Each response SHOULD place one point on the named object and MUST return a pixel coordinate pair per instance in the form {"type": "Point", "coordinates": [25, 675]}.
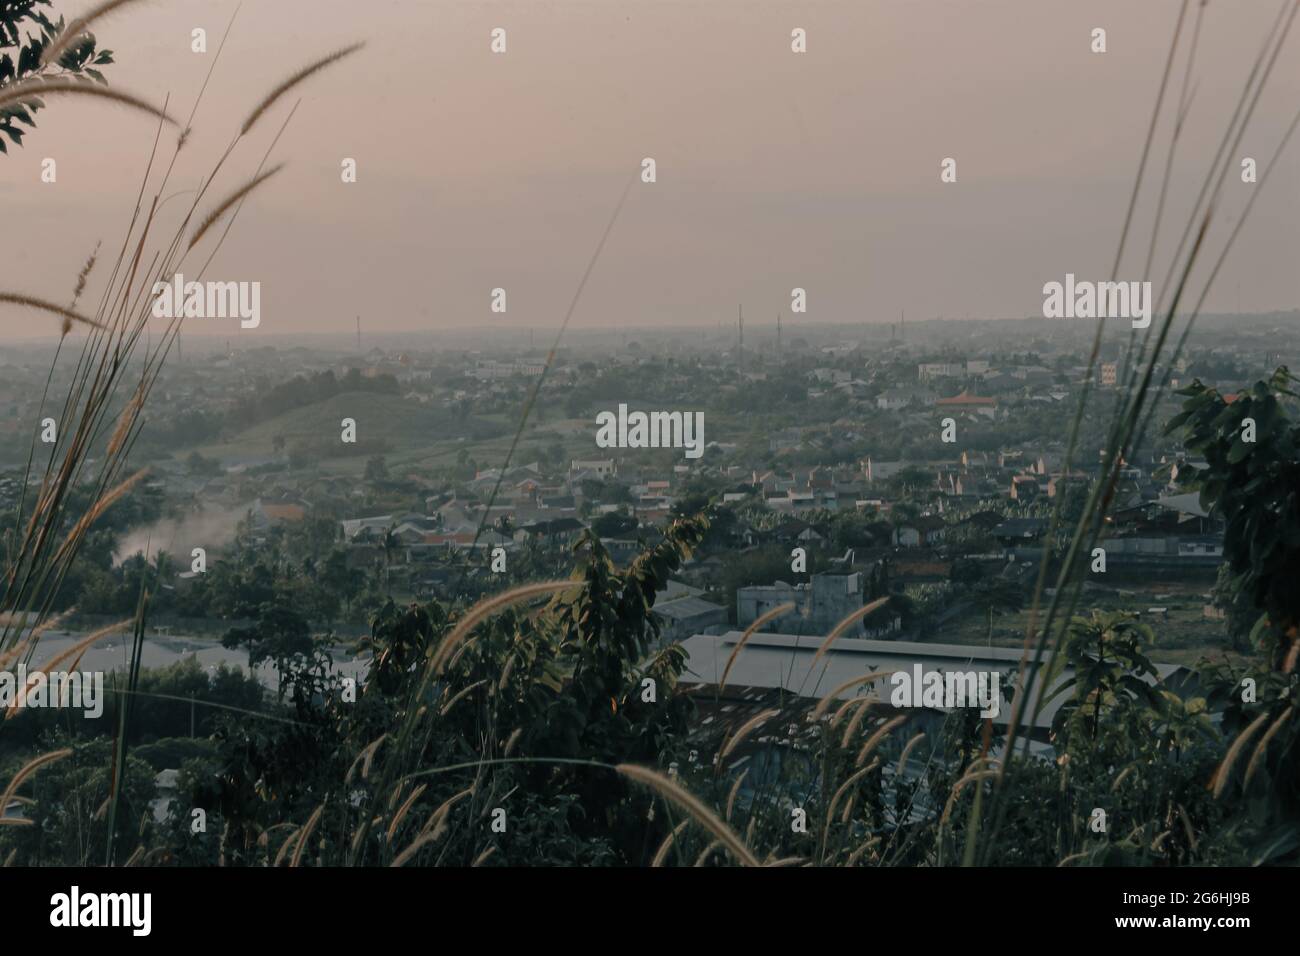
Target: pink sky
{"type": "Point", "coordinates": [775, 169]}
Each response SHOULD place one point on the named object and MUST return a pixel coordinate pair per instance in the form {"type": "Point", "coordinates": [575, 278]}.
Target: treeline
{"type": "Point", "coordinates": [304, 390]}
{"type": "Point", "coordinates": [169, 702]}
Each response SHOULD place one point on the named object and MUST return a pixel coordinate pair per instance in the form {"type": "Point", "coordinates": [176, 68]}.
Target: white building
{"type": "Point", "coordinates": [601, 467]}
{"type": "Point", "coordinates": [929, 370]}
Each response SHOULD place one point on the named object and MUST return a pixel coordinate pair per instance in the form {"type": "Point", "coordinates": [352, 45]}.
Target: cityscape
{"type": "Point", "coordinates": [888, 476]}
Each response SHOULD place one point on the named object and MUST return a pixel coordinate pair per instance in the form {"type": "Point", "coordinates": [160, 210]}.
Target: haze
{"type": "Point", "coordinates": [775, 170]}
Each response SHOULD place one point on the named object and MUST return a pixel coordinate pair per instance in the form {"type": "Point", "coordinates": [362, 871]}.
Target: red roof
{"type": "Point", "coordinates": [284, 512]}
{"type": "Point", "coordinates": [966, 398]}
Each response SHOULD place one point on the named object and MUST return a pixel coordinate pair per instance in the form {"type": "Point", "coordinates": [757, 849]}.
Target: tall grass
{"type": "Point", "coordinates": [391, 767]}
{"type": "Point", "coordinates": [117, 355]}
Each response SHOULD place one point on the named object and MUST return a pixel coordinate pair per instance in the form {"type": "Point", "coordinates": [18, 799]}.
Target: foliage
{"type": "Point", "coordinates": [1252, 484]}
{"type": "Point", "coordinates": [25, 32]}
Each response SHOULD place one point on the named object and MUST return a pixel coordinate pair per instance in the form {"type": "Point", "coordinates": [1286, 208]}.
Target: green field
{"type": "Point", "coordinates": [412, 433]}
{"type": "Point", "coordinates": [417, 435]}
{"type": "Point", "coordinates": [1183, 634]}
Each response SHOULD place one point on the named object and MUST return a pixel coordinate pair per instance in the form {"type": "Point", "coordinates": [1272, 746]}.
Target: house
{"type": "Point", "coordinates": [1014, 531]}
{"type": "Point", "coordinates": [830, 376]}
{"type": "Point", "coordinates": [966, 402]}
{"type": "Point", "coordinates": [1025, 487]}
{"type": "Point", "coordinates": [925, 530]}
{"type": "Point", "coordinates": [893, 399]}
{"type": "Point", "coordinates": [680, 618]}
{"type": "Point", "coordinates": [920, 570]}
{"type": "Point", "coordinates": [983, 520]}
{"type": "Point", "coordinates": [792, 531]}
{"type": "Point", "coordinates": [1182, 470]}
{"type": "Point", "coordinates": [820, 604]}
{"type": "Point", "coordinates": [601, 468]}
{"type": "Point", "coordinates": [553, 530]}
{"type": "Point", "coordinates": [273, 511]}
{"type": "Point", "coordinates": [882, 470]}
{"type": "Point", "coordinates": [357, 530]}
{"type": "Point", "coordinates": [1059, 484]}
{"type": "Point", "coordinates": [929, 370]}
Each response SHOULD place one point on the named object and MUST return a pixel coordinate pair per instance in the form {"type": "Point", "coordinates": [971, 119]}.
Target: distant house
{"type": "Point", "coordinates": [822, 603]}
{"type": "Point", "coordinates": [1183, 469]}
{"type": "Point", "coordinates": [1058, 484]}
{"type": "Point", "coordinates": [1025, 487]}
{"type": "Point", "coordinates": [881, 470]}
{"type": "Point", "coordinates": [929, 370]}
{"type": "Point", "coordinates": [919, 571]}
{"type": "Point", "coordinates": [551, 530]}
{"type": "Point", "coordinates": [966, 402]}
{"type": "Point", "coordinates": [794, 531]}
{"type": "Point", "coordinates": [801, 500]}
{"type": "Point", "coordinates": [984, 520]}
{"type": "Point", "coordinates": [685, 616]}
{"type": "Point", "coordinates": [790, 438]}
{"type": "Point", "coordinates": [361, 529]}
{"type": "Point", "coordinates": [1186, 506]}
{"type": "Point", "coordinates": [926, 530]}
{"type": "Point", "coordinates": [1020, 530]}
{"type": "Point", "coordinates": [603, 468]}
{"type": "Point", "coordinates": [830, 376]}
{"type": "Point", "coordinates": [892, 399]}
{"type": "Point", "coordinates": [412, 529]}
{"type": "Point", "coordinates": [271, 511]}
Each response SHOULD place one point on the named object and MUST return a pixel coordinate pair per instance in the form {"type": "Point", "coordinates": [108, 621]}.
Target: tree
{"type": "Point", "coordinates": [19, 19]}
{"type": "Point", "coordinates": [1105, 652]}
{"type": "Point", "coordinates": [1252, 451]}
{"type": "Point", "coordinates": [1251, 446]}
{"type": "Point", "coordinates": [281, 636]}
{"type": "Point", "coordinates": [614, 524]}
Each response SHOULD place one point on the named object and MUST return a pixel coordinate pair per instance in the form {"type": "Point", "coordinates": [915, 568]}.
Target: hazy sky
{"type": "Point", "coordinates": [775, 169]}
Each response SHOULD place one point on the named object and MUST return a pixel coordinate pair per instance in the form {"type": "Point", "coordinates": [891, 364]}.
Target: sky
{"type": "Point", "coordinates": [775, 170]}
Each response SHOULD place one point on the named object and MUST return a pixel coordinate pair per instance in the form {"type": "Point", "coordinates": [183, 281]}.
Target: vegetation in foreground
{"type": "Point", "coordinates": [508, 733]}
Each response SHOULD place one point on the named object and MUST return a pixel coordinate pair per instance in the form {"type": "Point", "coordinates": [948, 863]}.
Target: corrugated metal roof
{"type": "Point", "coordinates": [785, 661]}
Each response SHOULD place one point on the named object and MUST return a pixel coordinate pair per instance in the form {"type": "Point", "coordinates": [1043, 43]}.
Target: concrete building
{"type": "Point", "coordinates": [685, 616]}
{"type": "Point", "coordinates": [820, 604]}
{"type": "Point", "coordinates": [929, 370]}
{"type": "Point", "coordinates": [600, 467]}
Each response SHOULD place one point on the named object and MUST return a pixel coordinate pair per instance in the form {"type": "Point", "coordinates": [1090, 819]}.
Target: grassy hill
{"type": "Point", "coordinates": [411, 433]}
